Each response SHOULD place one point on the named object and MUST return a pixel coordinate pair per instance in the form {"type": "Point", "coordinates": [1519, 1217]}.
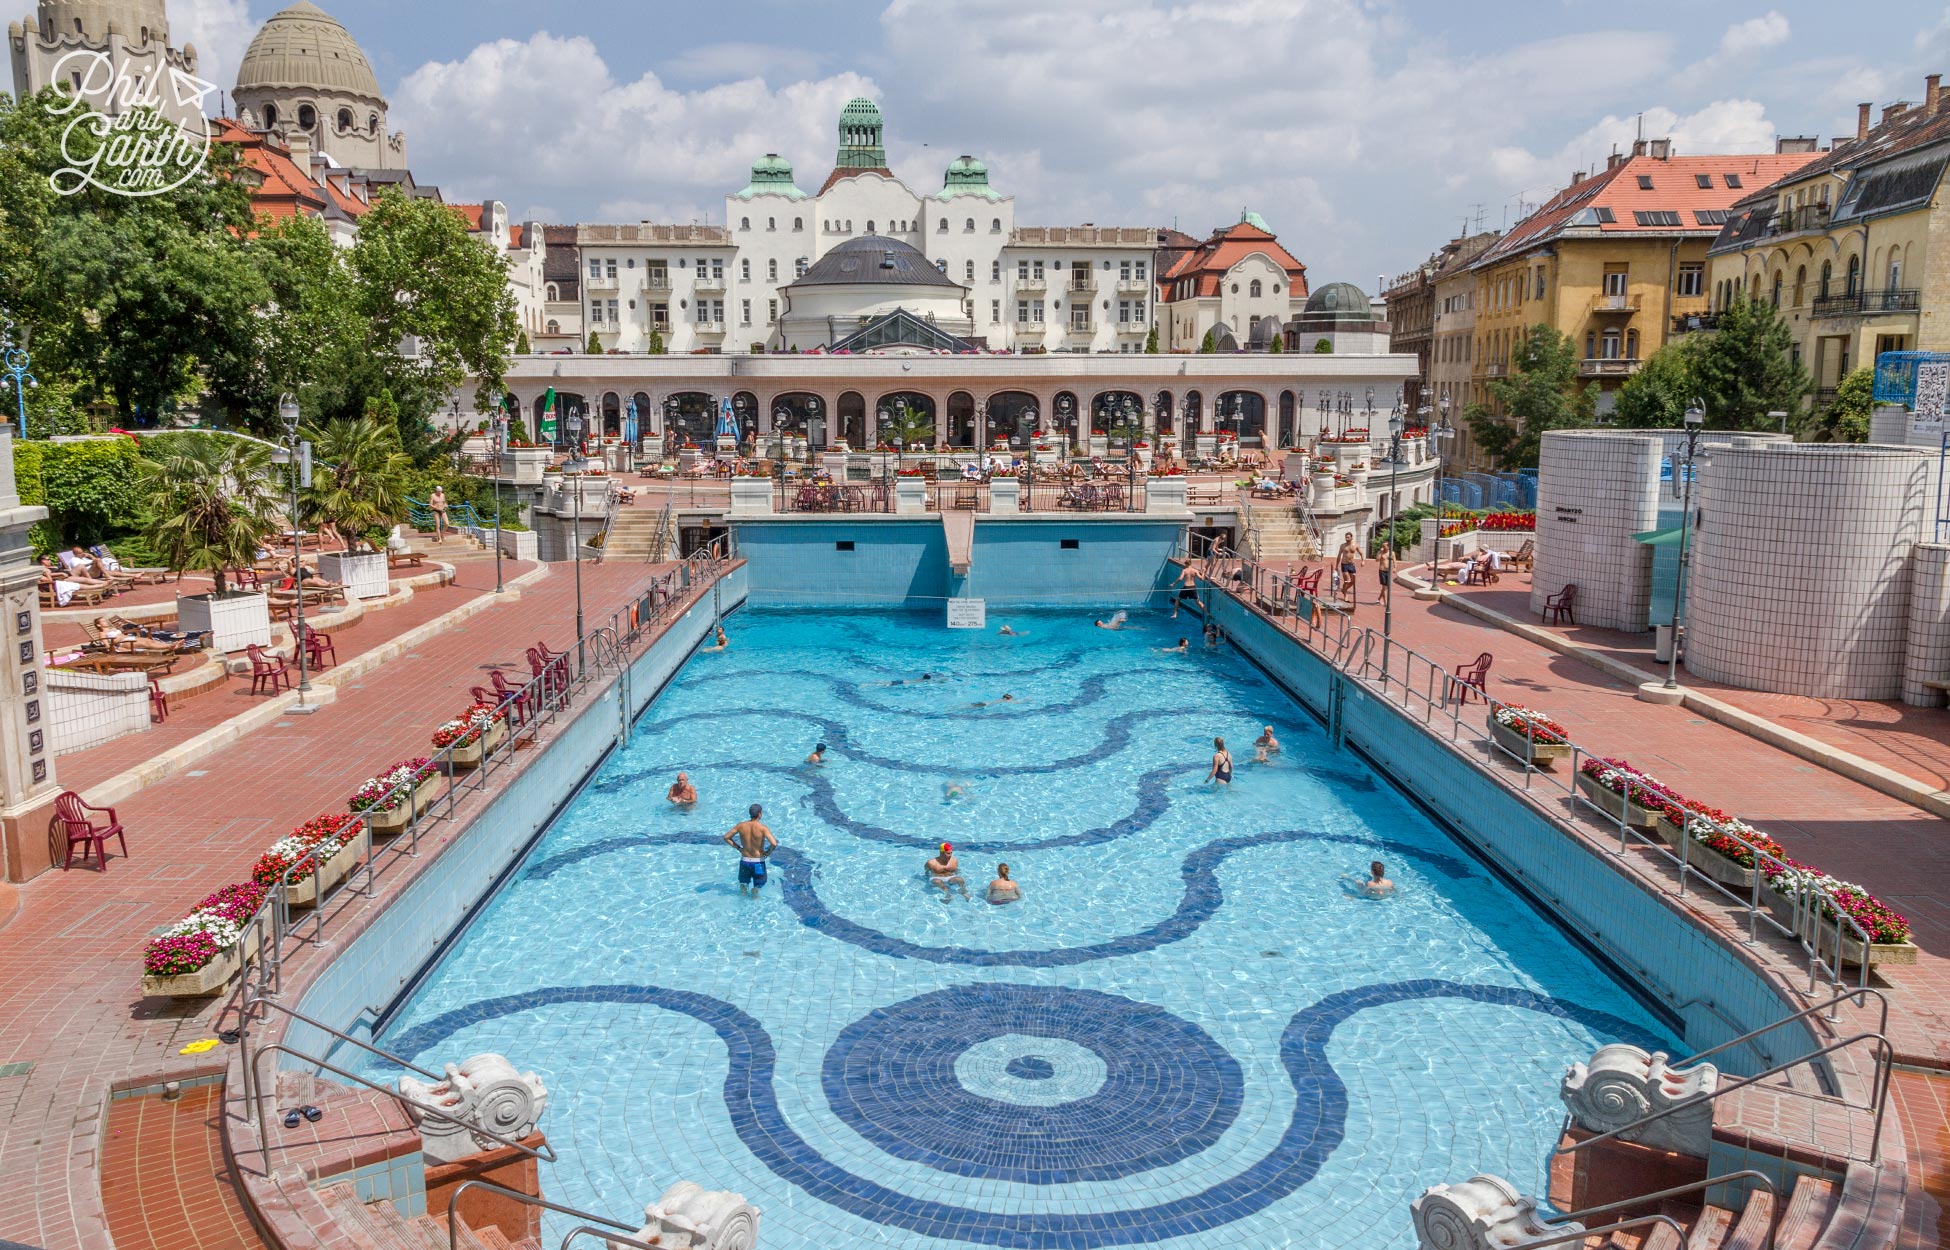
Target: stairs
{"type": "Point", "coordinates": [1280, 533]}
{"type": "Point", "coordinates": [1811, 1206]}
{"type": "Point", "coordinates": [636, 535]}
{"type": "Point", "coordinates": [380, 1226]}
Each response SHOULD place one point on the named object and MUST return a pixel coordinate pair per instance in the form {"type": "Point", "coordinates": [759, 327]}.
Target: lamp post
{"type": "Point", "coordinates": [886, 422]}
{"type": "Point", "coordinates": [1065, 424]}
{"type": "Point", "coordinates": [1439, 435]}
{"type": "Point", "coordinates": [288, 415]}
{"type": "Point", "coordinates": [1695, 426]}
{"type": "Point", "coordinates": [500, 449]}
{"type": "Point", "coordinates": [13, 369]}
{"type": "Point", "coordinates": [1396, 423]}
{"type": "Point", "coordinates": [572, 425]}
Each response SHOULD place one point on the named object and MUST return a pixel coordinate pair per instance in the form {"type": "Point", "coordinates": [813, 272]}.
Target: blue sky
{"type": "Point", "coordinates": [1365, 131]}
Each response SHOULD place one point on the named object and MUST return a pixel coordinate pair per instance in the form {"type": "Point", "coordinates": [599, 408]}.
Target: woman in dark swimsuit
{"type": "Point", "coordinates": [1221, 763]}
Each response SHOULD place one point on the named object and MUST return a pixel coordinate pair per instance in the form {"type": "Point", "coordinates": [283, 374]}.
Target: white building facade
{"type": "Point", "coordinates": [731, 288]}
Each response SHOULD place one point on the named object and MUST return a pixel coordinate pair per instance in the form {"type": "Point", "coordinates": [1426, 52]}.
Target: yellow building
{"type": "Point", "coordinates": [1615, 260]}
{"type": "Point", "coordinates": [1843, 245]}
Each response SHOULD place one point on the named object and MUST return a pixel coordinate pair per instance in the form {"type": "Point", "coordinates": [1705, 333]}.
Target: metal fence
{"type": "Point", "coordinates": [1436, 697]}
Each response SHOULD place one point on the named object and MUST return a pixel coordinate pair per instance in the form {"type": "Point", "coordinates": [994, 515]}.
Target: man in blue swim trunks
{"type": "Point", "coordinates": [754, 842]}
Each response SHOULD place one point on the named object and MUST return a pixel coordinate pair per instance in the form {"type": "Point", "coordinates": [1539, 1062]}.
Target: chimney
{"type": "Point", "coordinates": [1932, 93]}
{"type": "Point", "coordinates": [1791, 145]}
{"type": "Point", "coordinates": [1638, 147]}
{"type": "Point", "coordinates": [1659, 149]}
{"type": "Point", "coordinates": [1890, 112]}
{"type": "Point", "coordinates": [299, 144]}
{"type": "Point", "coordinates": [1614, 160]}
{"type": "Point", "coordinates": [1862, 121]}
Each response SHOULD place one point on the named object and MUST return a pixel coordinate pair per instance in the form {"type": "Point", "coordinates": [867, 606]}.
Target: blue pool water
{"type": "Point", "coordinates": [1189, 1032]}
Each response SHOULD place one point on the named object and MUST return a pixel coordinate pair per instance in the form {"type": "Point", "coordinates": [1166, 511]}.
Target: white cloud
{"type": "Point", "coordinates": [221, 31]}
{"type": "Point", "coordinates": [712, 62]}
{"type": "Point", "coordinates": [1756, 34]}
{"type": "Point", "coordinates": [528, 121]}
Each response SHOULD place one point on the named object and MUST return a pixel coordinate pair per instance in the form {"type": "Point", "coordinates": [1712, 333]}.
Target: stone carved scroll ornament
{"type": "Point", "coordinates": [484, 1090]}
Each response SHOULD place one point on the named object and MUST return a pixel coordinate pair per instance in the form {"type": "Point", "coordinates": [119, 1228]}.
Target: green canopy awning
{"type": "Point", "coordinates": [1660, 538]}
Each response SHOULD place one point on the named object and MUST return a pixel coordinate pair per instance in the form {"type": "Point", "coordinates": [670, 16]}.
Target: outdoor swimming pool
{"type": "Point", "coordinates": [1191, 1030]}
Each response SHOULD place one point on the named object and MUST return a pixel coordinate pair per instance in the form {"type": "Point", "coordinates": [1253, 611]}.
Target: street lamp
{"type": "Point", "coordinates": [288, 415]}
{"type": "Point", "coordinates": [572, 426]}
{"type": "Point", "coordinates": [886, 422]}
{"type": "Point", "coordinates": [1065, 424]}
{"type": "Point", "coordinates": [1440, 436]}
{"type": "Point", "coordinates": [1695, 426]}
{"type": "Point", "coordinates": [13, 369]}
{"type": "Point", "coordinates": [1396, 423]}
{"type": "Point", "coordinates": [500, 403]}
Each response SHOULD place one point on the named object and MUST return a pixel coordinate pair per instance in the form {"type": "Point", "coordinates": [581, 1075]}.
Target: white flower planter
{"type": "Point", "coordinates": [363, 574]}
{"type": "Point", "coordinates": [520, 545]}
{"type": "Point", "coordinates": [304, 891]}
{"type": "Point", "coordinates": [523, 465]}
{"type": "Point", "coordinates": [230, 623]}
{"type": "Point", "coordinates": [910, 495]}
{"type": "Point", "coordinates": [205, 981]}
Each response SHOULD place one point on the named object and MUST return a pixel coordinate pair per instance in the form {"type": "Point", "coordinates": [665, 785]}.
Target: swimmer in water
{"type": "Point", "coordinates": [682, 793]}
{"type": "Point", "coordinates": [1266, 746]}
{"type": "Point", "coordinates": [1007, 698]}
{"type": "Point", "coordinates": [818, 756]}
{"type": "Point", "coordinates": [1183, 646]}
{"type": "Point", "coordinates": [1003, 889]}
{"type": "Point", "coordinates": [944, 871]}
{"type": "Point", "coordinates": [754, 842]}
{"type": "Point", "coordinates": [722, 642]}
{"type": "Point", "coordinates": [1115, 622]}
{"type": "Point", "coordinates": [1377, 885]}
{"type": "Point", "coordinates": [952, 790]}
{"type": "Point", "coordinates": [1221, 764]}
{"type": "Point", "coordinates": [1006, 632]}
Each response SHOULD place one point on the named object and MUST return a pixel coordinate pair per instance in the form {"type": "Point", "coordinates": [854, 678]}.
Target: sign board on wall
{"type": "Point", "coordinates": [1932, 399]}
{"type": "Point", "coordinates": [968, 614]}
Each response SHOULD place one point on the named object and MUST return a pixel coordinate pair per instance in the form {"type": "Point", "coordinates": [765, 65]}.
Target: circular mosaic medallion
{"type": "Point", "coordinates": [1034, 1084]}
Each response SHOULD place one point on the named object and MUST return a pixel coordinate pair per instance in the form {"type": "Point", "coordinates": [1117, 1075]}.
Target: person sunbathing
{"type": "Point", "coordinates": [117, 640]}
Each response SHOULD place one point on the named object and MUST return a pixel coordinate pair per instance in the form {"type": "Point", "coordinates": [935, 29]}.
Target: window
{"type": "Point", "coordinates": [798, 223]}
{"type": "Point", "coordinates": [1710, 216]}
{"type": "Point", "coordinates": [1827, 273]}
{"type": "Point", "coordinates": [744, 223]}
{"type": "Point", "coordinates": [745, 270]}
{"type": "Point", "coordinates": [372, 122]}
{"type": "Point", "coordinates": [553, 294]}
{"type": "Point", "coordinates": [1732, 180]}
{"type": "Point", "coordinates": [1124, 271]}
{"type": "Point", "coordinates": [1854, 275]}
{"type": "Point", "coordinates": [995, 226]}
{"type": "Point", "coordinates": [1254, 289]}
{"type": "Point", "coordinates": [1800, 282]}
{"type": "Point", "coordinates": [995, 272]}
{"type": "Point", "coordinates": [969, 228]}
{"type": "Point", "coordinates": [1029, 312]}
{"type": "Point", "coordinates": [771, 223]}
{"type": "Point", "coordinates": [1605, 216]}
{"type": "Point", "coordinates": [595, 310]}
{"type": "Point", "coordinates": [307, 117]}
{"type": "Point", "coordinates": [660, 316]}
{"type": "Point", "coordinates": [1540, 282]}
{"type": "Point", "coordinates": [1775, 294]}
{"type": "Point", "coordinates": [995, 310]}
{"type": "Point", "coordinates": [1692, 280]}
{"type": "Point", "coordinates": [1235, 288]}
{"type": "Point", "coordinates": [595, 267]}
{"type": "Point", "coordinates": [656, 274]}
{"type": "Point", "coordinates": [771, 310]}
{"type": "Point", "coordinates": [1645, 182]}
{"type": "Point", "coordinates": [1130, 311]}
{"type": "Point", "coordinates": [555, 327]}
{"type": "Point", "coordinates": [1895, 274]}
{"type": "Point", "coordinates": [1138, 270]}
{"type": "Point", "coordinates": [944, 225]}
{"type": "Point", "coordinates": [1656, 217]}
{"type": "Point", "coordinates": [971, 271]}
{"type": "Point", "coordinates": [610, 265]}
{"type": "Point", "coordinates": [799, 267]}
{"type": "Point", "coordinates": [717, 268]}
{"type": "Point", "coordinates": [1703, 181]}
{"type": "Point", "coordinates": [772, 270]}
{"type": "Point", "coordinates": [1610, 347]}
{"type": "Point", "coordinates": [270, 110]}
{"type": "Point", "coordinates": [345, 120]}
{"type": "Point", "coordinates": [745, 311]}
{"type": "Point", "coordinates": [941, 263]}
{"type": "Point", "coordinates": [869, 225]}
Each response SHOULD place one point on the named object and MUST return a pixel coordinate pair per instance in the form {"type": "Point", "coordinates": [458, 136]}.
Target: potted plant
{"type": "Point", "coordinates": [358, 490]}
{"type": "Point", "coordinates": [213, 504]}
{"type": "Point", "coordinates": [1813, 901]}
{"type": "Point", "coordinates": [313, 858]}
{"type": "Point", "coordinates": [199, 954]}
{"type": "Point", "coordinates": [1621, 791]}
{"type": "Point", "coordinates": [1722, 848]}
{"type": "Point", "coordinates": [472, 735]}
{"type": "Point", "coordinates": [394, 797]}
{"type": "Point", "coordinates": [1529, 735]}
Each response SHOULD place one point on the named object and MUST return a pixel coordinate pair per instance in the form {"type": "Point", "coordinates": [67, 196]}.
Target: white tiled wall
{"type": "Point", "coordinates": [1927, 655]}
{"type": "Point", "coordinates": [1594, 491]}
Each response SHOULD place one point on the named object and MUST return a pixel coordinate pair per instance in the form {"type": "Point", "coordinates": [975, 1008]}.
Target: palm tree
{"type": "Point", "coordinates": [213, 504]}
{"type": "Point", "coordinates": [361, 480]}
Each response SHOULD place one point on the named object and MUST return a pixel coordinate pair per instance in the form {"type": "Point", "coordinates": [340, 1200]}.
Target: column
{"type": "Point", "coordinates": [26, 744]}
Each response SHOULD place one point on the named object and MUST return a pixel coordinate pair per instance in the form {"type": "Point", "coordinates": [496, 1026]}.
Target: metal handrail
{"type": "Point", "coordinates": [1586, 1233]}
{"type": "Point", "coordinates": [453, 1217]}
{"type": "Point", "coordinates": [546, 1153]}
{"type": "Point", "coordinates": [1862, 992]}
{"type": "Point", "coordinates": [1766, 1182]}
{"type": "Point", "coordinates": [260, 1000]}
{"type": "Point", "coordinates": [1879, 1093]}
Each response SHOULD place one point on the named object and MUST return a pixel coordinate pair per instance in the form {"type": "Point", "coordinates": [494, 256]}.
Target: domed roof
{"type": "Point", "coordinates": [859, 108]}
{"type": "Point", "coordinates": [771, 163]}
{"type": "Point", "coordinates": [1341, 300]}
{"type": "Point", "coordinates": [303, 46]}
{"type": "Point", "coordinates": [772, 175]}
{"type": "Point", "coordinates": [967, 167]}
{"type": "Point", "coordinates": [872, 260]}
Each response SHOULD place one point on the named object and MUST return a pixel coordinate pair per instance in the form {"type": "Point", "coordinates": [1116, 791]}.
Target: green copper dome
{"type": "Point", "coordinates": [860, 109]}
{"type": "Point", "coordinates": [772, 175]}
{"type": "Point", "coordinates": [1340, 301]}
{"type": "Point", "coordinates": [1250, 218]}
{"type": "Point", "coordinates": [860, 131]}
{"type": "Point", "coordinates": [967, 176]}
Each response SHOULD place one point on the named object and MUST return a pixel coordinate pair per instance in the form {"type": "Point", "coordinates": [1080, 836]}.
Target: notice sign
{"type": "Point", "coordinates": [1932, 399]}
{"type": "Point", "coordinates": [968, 614]}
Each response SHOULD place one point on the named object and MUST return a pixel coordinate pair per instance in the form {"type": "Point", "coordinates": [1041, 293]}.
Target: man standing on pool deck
{"type": "Point", "coordinates": [754, 842]}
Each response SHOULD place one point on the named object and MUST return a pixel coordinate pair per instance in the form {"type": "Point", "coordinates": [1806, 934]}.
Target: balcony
{"type": "Point", "coordinates": [1033, 284]}
{"type": "Point", "coordinates": [1620, 305]}
{"type": "Point", "coordinates": [1602, 367]}
{"type": "Point", "coordinates": [600, 284]}
{"type": "Point", "coordinates": [1493, 370]}
{"type": "Point", "coordinates": [1133, 286]}
{"type": "Point", "coordinates": [1026, 325]}
{"type": "Point", "coordinates": [1864, 303]}
{"type": "Point", "coordinates": [1695, 322]}
{"type": "Point", "coordinates": [1080, 281]}
{"type": "Point", "coordinates": [708, 329]}
{"type": "Point", "coordinates": [1807, 217]}
{"type": "Point", "coordinates": [1825, 395]}
{"type": "Point", "coordinates": [1133, 327]}
{"type": "Point", "coordinates": [656, 282]}
{"type": "Point", "coordinates": [1081, 327]}
{"type": "Point", "coordinates": [713, 285]}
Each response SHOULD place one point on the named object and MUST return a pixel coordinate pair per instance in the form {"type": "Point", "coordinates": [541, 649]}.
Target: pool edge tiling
{"type": "Point", "coordinates": [850, 1087]}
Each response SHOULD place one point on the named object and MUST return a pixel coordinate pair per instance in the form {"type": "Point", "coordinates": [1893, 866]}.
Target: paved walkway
{"type": "Point", "coordinates": [76, 1024]}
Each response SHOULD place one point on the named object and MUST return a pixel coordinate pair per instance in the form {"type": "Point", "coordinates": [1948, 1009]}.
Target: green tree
{"type": "Point", "coordinates": [1746, 368]}
{"type": "Point", "coordinates": [360, 484]}
{"type": "Point", "coordinates": [1151, 340]}
{"type": "Point", "coordinates": [1324, 347]}
{"type": "Point", "coordinates": [595, 345]}
{"type": "Point", "coordinates": [1845, 419]}
{"type": "Point", "coordinates": [1541, 394]}
{"type": "Point", "coordinates": [656, 346]}
{"type": "Point", "coordinates": [1210, 343]}
{"type": "Point", "coordinates": [307, 339]}
{"type": "Point", "coordinates": [1277, 343]}
{"type": "Point", "coordinates": [1657, 396]}
{"type": "Point", "coordinates": [211, 501]}
{"type": "Point", "coordinates": [522, 346]}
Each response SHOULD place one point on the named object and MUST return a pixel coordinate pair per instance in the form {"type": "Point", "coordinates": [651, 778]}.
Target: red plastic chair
{"type": "Point", "coordinates": [81, 828]}
{"type": "Point", "coordinates": [1562, 606]}
{"type": "Point", "coordinates": [158, 702]}
{"type": "Point", "coordinates": [317, 647]}
{"type": "Point", "coordinates": [1471, 677]}
{"type": "Point", "coordinates": [267, 670]}
{"type": "Point", "coordinates": [551, 674]}
{"type": "Point", "coordinates": [515, 701]}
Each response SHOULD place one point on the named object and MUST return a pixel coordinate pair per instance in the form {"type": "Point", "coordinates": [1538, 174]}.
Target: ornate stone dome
{"type": "Point", "coordinates": [872, 260]}
{"type": "Point", "coordinates": [1340, 301]}
{"type": "Point", "coordinates": [90, 20]}
{"type": "Point", "coordinates": [303, 46]}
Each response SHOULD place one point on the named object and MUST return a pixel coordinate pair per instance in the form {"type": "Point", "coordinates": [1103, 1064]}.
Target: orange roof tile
{"type": "Point", "coordinates": [1648, 195]}
{"type": "Point", "coordinates": [1211, 260]}
{"type": "Point", "coordinates": [470, 213]}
